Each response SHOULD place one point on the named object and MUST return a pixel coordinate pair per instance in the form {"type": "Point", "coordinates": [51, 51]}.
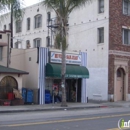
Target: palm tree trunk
{"type": "Point", "coordinates": [64, 103]}
{"type": "Point", "coordinates": [63, 72]}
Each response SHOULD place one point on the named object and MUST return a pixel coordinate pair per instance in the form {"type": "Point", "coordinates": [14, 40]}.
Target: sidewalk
{"type": "Point", "coordinates": [54, 107]}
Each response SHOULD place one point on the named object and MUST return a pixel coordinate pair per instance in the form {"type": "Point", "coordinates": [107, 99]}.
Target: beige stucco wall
{"type": "Point", "coordinates": [31, 66]}
{"type": "Point", "coordinates": [18, 79]}
{"type": "Point", "coordinates": [4, 57]}
{"type": "Point", "coordinates": [17, 59]}
{"type": "Point", "coordinates": [4, 37]}
{"type": "Point", "coordinates": [20, 60]}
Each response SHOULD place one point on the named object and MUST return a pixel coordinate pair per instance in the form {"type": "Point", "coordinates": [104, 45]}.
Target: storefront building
{"type": "Point", "coordinates": [10, 79]}
{"type": "Point", "coordinates": [50, 75]}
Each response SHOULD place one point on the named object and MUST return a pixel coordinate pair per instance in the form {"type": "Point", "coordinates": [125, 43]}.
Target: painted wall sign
{"type": "Point", "coordinates": [56, 57]}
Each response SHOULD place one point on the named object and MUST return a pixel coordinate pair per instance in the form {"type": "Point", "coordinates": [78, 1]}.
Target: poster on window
{"type": "Point", "coordinates": [55, 87]}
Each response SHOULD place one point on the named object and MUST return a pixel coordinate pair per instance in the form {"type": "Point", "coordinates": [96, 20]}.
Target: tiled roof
{"type": "Point", "coordinates": [7, 70]}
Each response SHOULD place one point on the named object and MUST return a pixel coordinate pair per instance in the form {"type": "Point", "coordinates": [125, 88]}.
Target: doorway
{"type": "Point", "coordinates": [73, 90]}
{"type": "Point", "coordinates": [120, 85]}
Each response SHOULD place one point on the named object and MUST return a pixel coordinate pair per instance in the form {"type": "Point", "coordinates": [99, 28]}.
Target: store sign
{"type": "Point", "coordinates": [56, 57]}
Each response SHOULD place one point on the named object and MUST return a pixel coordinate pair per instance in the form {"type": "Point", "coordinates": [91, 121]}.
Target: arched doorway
{"type": "Point", "coordinates": [120, 84]}
{"type": "Point", "coordinates": [6, 85]}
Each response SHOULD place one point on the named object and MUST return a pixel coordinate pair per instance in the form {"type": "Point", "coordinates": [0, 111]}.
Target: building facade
{"type": "Point", "coordinates": [101, 29]}
{"type": "Point", "coordinates": [119, 50]}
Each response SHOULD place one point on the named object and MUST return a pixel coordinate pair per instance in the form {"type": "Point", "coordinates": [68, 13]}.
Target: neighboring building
{"type": "Point", "coordinates": [9, 77]}
{"type": "Point", "coordinates": [101, 29]}
{"type": "Point", "coordinates": [4, 35]}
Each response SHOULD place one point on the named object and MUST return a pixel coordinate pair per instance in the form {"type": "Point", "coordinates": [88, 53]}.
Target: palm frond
{"type": "Point", "coordinates": [63, 8]}
{"type": "Point", "coordinates": [57, 41]}
{"type": "Point", "coordinates": [12, 5]}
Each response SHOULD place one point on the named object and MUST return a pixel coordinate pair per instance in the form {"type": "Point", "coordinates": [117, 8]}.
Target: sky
{"type": "Point", "coordinates": [31, 2]}
{"type": "Point", "coordinates": [25, 4]}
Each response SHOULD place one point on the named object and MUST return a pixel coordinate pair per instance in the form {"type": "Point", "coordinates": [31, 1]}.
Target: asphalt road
{"type": "Point", "coordinates": [89, 119]}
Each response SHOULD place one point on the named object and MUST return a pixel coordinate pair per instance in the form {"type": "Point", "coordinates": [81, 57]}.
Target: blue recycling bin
{"type": "Point", "coordinates": [47, 96]}
{"type": "Point", "coordinates": [24, 94]}
{"type": "Point", "coordinates": [27, 95]}
{"type": "Point", "coordinates": [30, 95]}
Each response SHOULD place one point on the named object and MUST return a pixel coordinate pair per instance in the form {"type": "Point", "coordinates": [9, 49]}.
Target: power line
{"type": "Point", "coordinates": [20, 54]}
{"type": "Point", "coordinates": [87, 22]}
{"type": "Point", "coordinates": [87, 29]}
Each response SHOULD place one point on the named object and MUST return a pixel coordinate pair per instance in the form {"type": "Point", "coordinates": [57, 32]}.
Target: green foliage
{"type": "Point", "coordinates": [62, 9]}
{"type": "Point", "coordinates": [58, 41]}
{"type": "Point", "coordinates": [12, 5]}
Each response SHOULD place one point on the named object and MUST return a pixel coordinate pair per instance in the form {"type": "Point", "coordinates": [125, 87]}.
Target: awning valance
{"type": "Point", "coordinates": [72, 71]}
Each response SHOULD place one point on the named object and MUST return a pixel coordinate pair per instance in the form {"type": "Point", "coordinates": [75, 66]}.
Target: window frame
{"type": "Point", "coordinates": [124, 37]}
{"type": "Point", "coordinates": [35, 44]}
{"type": "Point", "coordinates": [5, 27]}
{"type": "Point", "coordinates": [101, 6]}
{"type": "Point", "coordinates": [28, 44]}
{"type": "Point", "coordinates": [37, 24]}
{"type": "Point", "coordinates": [127, 12]}
{"type": "Point", "coordinates": [0, 36]}
{"type": "Point", "coordinates": [17, 45]}
{"type": "Point", "coordinates": [100, 40]}
{"type": "Point", "coordinates": [18, 26]}
{"type": "Point", "coordinates": [28, 23]}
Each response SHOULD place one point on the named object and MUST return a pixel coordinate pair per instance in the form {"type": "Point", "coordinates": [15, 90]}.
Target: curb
{"type": "Point", "coordinates": [52, 109]}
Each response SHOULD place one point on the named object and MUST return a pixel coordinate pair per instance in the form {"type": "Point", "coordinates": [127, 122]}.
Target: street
{"type": "Point", "coordinates": [86, 119]}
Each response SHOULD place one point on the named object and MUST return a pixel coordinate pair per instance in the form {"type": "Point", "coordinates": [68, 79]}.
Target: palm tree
{"type": "Point", "coordinates": [63, 8]}
{"type": "Point", "coordinates": [14, 6]}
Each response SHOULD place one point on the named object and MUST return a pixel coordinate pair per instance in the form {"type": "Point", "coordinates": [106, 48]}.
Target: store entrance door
{"type": "Point", "coordinates": [73, 90]}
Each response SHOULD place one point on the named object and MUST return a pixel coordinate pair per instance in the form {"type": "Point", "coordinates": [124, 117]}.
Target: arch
{"type": "Point", "coordinates": [120, 71]}
{"type": "Point", "coordinates": [6, 85]}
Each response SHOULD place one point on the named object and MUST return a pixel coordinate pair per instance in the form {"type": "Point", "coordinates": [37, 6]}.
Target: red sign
{"type": "Point", "coordinates": [56, 57]}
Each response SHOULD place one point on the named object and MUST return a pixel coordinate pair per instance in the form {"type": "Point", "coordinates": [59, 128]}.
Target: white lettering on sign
{"type": "Point", "coordinates": [56, 57]}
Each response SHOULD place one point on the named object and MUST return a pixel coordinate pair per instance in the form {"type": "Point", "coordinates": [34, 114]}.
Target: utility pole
{"type": "Point", "coordinates": [8, 51]}
{"type": "Point", "coordinates": [11, 44]}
